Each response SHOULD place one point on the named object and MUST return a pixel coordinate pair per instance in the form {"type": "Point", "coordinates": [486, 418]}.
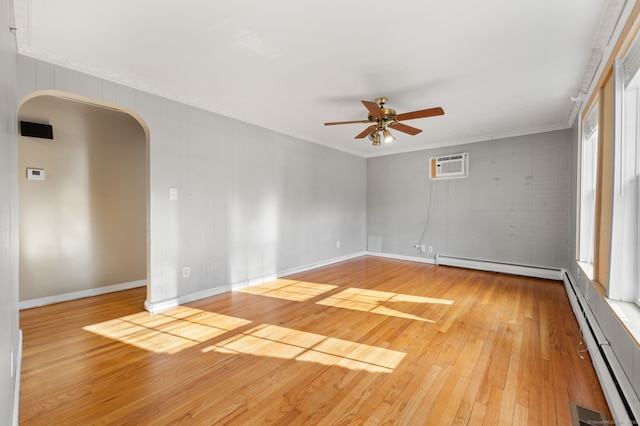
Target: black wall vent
{"type": "Point", "coordinates": [36, 130]}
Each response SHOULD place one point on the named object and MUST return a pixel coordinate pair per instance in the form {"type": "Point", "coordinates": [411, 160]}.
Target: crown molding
{"type": "Point", "coordinates": [476, 139]}
{"type": "Point", "coordinates": [613, 22]}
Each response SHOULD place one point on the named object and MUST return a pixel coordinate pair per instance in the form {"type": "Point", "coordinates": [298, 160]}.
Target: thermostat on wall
{"type": "Point", "coordinates": [35, 174]}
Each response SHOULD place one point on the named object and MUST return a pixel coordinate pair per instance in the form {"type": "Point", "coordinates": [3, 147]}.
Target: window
{"type": "Point", "coordinates": [588, 173]}
{"type": "Point", "coordinates": [626, 220]}
{"type": "Point", "coordinates": [624, 282]}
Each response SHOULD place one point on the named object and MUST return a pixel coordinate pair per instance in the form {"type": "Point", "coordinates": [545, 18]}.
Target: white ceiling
{"type": "Point", "coordinates": [497, 67]}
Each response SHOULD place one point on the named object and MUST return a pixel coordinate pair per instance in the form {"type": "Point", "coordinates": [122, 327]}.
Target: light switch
{"type": "Point", "coordinates": [173, 194]}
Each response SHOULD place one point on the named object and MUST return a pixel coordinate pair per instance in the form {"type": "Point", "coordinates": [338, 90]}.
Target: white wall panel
{"type": "Point", "coordinates": [217, 136]}
{"type": "Point", "coordinates": [146, 106]}
{"type": "Point", "coordinates": [45, 76]}
{"type": "Point", "coordinates": [90, 87]}
{"type": "Point", "coordinates": [163, 212]}
{"type": "Point", "coordinates": [126, 96]}
{"type": "Point", "coordinates": [109, 92]}
{"type": "Point", "coordinates": [27, 82]}
{"type": "Point", "coordinates": [194, 167]}
{"type": "Point", "coordinates": [9, 332]}
{"type": "Point", "coordinates": [66, 80]}
{"type": "Point", "coordinates": [512, 208]}
{"type": "Point", "coordinates": [251, 202]}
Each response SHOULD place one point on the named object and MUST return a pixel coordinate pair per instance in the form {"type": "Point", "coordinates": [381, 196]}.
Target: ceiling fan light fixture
{"type": "Point", "coordinates": [376, 138]}
{"type": "Point", "coordinates": [388, 137]}
{"type": "Point", "coordinates": [380, 119]}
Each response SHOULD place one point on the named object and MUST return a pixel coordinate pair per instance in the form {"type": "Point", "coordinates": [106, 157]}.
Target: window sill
{"type": "Point", "coordinates": [628, 314]}
{"type": "Point", "coordinates": [587, 269]}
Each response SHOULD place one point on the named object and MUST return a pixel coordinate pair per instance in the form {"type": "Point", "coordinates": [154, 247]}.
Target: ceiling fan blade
{"type": "Point", "coordinates": [373, 108]}
{"type": "Point", "coordinates": [423, 113]}
{"type": "Point", "coordinates": [366, 132]}
{"type": "Point", "coordinates": [345, 122]}
{"type": "Point", "coordinates": [404, 128]}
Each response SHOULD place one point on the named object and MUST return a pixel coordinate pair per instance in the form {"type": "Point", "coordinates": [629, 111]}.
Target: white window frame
{"type": "Point", "coordinates": [624, 281]}
{"type": "Point", "coordinates": [588, 174]}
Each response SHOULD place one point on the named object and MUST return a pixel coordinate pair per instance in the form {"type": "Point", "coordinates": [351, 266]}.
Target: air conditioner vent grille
{"type": "Point", "coordinates": [450, 157]}
{"type": "Point", "coordinates": [449, 166]}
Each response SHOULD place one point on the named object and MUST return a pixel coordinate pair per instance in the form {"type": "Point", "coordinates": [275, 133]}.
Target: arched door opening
{"type": "Point", "coordinates": [84, 214]}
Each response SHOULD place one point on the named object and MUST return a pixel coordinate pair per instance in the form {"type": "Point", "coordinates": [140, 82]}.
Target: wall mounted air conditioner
{"type": "Point", "coordinates": [451, 166]}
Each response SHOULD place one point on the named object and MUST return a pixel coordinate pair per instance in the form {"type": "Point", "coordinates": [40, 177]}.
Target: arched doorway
{"type": "Point", "coordinates": [84, 226]}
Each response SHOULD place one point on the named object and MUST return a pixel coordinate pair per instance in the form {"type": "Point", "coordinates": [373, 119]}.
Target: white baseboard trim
{"type": "Point", "coordinates": [320, 264]}
{"type": "Point", "coordinates": [97, 291]}
{"type": "Point", "coordinates": [483, 265]}
{"type": "Point", "coordinates": [402, 257]}
{"type": "Point", "coordinates": [163, 305]}
{"type": "Point", "coordinates": [17, 374]}
{"type": "Point", "coordinates": [617, 389]}
{"type": "Point", "coordinates": [505, 268]}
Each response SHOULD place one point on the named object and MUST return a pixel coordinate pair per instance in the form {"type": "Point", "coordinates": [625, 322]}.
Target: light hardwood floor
{"type": "Point", "coordinates": [367, 341]}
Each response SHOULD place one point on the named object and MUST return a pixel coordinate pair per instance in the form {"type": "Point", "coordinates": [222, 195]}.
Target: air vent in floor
{"type": "Point", "coordinates": [583, 416]}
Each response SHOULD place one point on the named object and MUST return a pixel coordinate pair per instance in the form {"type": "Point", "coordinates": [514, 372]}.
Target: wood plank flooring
{"type": "Point", "coordinates": [366, 341]}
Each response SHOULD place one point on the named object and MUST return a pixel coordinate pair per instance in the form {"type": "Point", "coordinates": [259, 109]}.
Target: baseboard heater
{"type": "Point", "coordinates": [621, 398]}
{"type": "Point", "coordinates": [502, 267]}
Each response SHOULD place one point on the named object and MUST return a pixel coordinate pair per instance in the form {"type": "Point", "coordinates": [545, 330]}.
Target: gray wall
{"type": "Point", "coordinates": [9, 333]}
{"type": "Point", "coordinates": [251, 202]}
{"type": "Point", "coordinates": [513, 207]}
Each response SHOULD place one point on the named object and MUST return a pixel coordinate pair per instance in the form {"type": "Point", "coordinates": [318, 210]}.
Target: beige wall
{"type": "Point", "coordinates": [84, 226]}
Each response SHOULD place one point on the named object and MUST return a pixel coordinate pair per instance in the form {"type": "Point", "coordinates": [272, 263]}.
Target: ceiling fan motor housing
{"type": "Point", "coordinates": [389, 115]}
{"type": "Point", "coordinates": [381, 119]}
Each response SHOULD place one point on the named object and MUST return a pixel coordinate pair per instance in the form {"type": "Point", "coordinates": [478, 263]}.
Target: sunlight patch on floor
{"type": "Point", "coordinates": [358, 299]}
{"type": "Point", "coordinates": [168, 332]}
{"type": "Point", "coordinates": [297, 291]}
{"type": "Point", "coordinates": [381, 302]}
{"type": "Point", "coordinates": [184, 327]}
{"type": "Point", "coordinates": [285, 343]}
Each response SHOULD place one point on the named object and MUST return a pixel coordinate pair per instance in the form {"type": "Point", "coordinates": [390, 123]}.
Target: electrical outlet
{"type": "Point", "coordinates": [431, 249]}
{"type": "Point", "coordinates": [186, 272]}
{"type": "Point", "coordinates": [422, 249]}
{"type": "Point", "coordinates": [337, 243]}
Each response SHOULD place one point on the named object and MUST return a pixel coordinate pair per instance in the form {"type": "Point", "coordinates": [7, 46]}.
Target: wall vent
{"type": "Point", "coordinates": [453, 166]}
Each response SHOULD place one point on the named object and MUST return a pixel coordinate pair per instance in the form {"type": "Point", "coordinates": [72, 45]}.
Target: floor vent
{"type": "Point", "coordinates": [583, 416]}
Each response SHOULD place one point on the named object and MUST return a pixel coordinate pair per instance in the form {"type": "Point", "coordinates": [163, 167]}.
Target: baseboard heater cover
{"type": "Point", "coordinates": [502, 267]}
{"type": "Point", "coordinates": [623, 402]}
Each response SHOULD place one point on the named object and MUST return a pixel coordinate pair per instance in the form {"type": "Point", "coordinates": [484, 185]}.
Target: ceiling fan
{"type": "Point", "coordinates": [383, 119]}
